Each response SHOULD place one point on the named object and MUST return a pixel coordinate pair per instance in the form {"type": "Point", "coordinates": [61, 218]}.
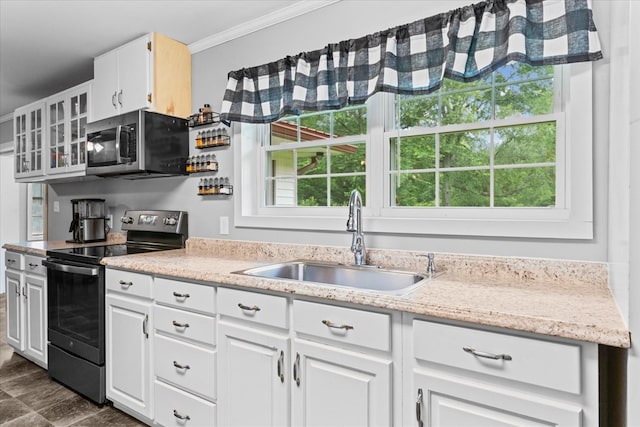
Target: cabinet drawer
{"type": "Point", "coordinates": [252, 306]}
{"type": "Point", "coordinates": [33, 265]}
{"type": "Point", "coordinates": [190, 296]}
{"type": "Point", "coordinates": [173, 406]}
{"type": "Point", "coordinates": [198, 365]}
{"type": "Point", "coordinates": [185, 324]}
{"type": "Point", "coordinates": [346, 325]}
{"type": "Point", "coordinates": [13, 260]}
{"type": "Point", "coordinates": [533, 361]}
{"type": "Point", "coordinates": [129, 283]}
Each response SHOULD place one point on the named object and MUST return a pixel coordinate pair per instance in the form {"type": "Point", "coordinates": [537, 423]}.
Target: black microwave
{"type": "Point", "coordinates": [138, 144]}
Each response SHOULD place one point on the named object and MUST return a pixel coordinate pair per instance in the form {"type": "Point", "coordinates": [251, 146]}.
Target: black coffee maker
{"type": "Point", "coordinates": [89, 223]}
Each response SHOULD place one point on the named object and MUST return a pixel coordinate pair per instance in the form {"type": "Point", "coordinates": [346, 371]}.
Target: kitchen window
{"type": "Point", "coordinates": [36, 211]}
{"type": "Point", "coordinates": [507, 155]}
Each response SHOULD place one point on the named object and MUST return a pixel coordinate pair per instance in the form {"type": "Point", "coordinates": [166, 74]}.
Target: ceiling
{"type": "Point", "coordinates": [47, 46]}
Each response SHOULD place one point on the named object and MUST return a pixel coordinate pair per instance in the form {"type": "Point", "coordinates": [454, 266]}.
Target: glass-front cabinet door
{"type": "Point", "coordinates": [67, 116]}
{"type": "Point", "coordinates": [29, 140]}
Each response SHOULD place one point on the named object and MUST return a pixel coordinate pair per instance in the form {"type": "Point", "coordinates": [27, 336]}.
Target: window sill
{"type": "Point", "coordinates": [546, 228]}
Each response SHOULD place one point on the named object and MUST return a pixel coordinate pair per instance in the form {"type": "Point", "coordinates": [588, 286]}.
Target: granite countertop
{"type": "Point", "coordinates": [40, 247]}
{"type": "Point", "coordinates": [567, 299]}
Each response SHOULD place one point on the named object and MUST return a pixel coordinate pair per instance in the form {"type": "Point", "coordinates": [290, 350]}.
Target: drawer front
{"type": "Point", "coordinates": [252, 306]}
{"type": "Point", "coordinates": [346, 325]}
{"type": "Point", "coordinates": [173, 406]}
{"type": "Point", "coordinates": [129, 283]}
{"type": "Point", "coordinates": [185, 324]}
{"type": "Point", "coordinates": [186, 295]}
{"type": "Point", "coordinates": [529, 360]}
{"type": "Point", "coordinates": [33, 265]}
{"type": "Point", "coordinates": [13, 260]}
{"type": "Point", "coordinates": [186, 365]}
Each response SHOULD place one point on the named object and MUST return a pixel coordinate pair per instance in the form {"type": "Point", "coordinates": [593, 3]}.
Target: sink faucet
{"type": "Point", "coordinates": [354, 225]}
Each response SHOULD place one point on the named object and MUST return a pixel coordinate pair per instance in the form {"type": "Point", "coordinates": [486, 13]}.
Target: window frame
{"type": "Point", "coordinates": [31, 235]}
{"type": "Point", "coordinates": [572, 219]}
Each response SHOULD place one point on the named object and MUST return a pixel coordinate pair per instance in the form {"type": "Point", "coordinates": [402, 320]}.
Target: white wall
{"type": "Point", "coordinates": [343, 20]}
{"type": "Point", "coordinates": [11, 197]}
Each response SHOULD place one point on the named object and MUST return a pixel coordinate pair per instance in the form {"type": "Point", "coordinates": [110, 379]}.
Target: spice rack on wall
{"type": "Point", "coordinates": [212, 135]}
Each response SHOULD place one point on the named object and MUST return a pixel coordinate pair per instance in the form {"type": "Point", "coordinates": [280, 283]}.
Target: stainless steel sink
{"type": "Point", "coordinates": [352, 276]}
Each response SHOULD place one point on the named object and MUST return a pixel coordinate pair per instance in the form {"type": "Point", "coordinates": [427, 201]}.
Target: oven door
{"type": "Point", "coordinates": [76, 308]}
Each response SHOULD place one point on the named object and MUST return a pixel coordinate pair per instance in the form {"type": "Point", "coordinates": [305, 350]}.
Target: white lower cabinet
{"type": "Point", "coordinates": [26, 288]}
{"type": "Point", "coordinates": [230, 357]}
{"type": "Point", "coordinates": [185, 353]}
{"type": "Point", "coordinates": [336, 387]}
{"type": "Point", "coordinates": [177, 408]}
{"type": "Point", "coordinates": [254, 380]}
{"type": "Point", "coordinates": [128, 331]}
{"type": "Point", "coordinates": [459, 376]}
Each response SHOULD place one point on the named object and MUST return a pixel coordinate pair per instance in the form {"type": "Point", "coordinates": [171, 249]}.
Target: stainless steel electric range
{"type": "Point", "coordinates": [76, 297]}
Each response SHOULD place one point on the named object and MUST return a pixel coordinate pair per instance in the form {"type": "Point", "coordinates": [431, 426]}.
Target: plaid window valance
{"type": "Point", "coordinates": [464, 44]}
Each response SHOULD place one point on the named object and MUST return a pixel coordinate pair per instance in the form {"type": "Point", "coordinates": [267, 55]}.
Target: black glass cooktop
{"type": "Point", "coordinates": [93, 254]}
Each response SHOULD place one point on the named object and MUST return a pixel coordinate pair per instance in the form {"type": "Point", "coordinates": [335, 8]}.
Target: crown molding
{"type": "Point", "coordinates": [280, 15]}
{"type": "Point", "coordinates": [6, 117]}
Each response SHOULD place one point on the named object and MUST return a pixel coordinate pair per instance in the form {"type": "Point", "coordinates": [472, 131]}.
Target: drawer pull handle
{"type": "Point", "coordinates": [179, 295]}
{"type": "Point", "coordinates": [11, 261]}
{"type": "Point", "coordinates": [281, 367]}
{"type": "Point", "coordinates": [246, 307]}
{"type": "Point", "coordinates": [179, 416]}
{"type": "Point", "coordinates": [296, 370]}
{"type": "Point", "coordinates": [145, 325]}
{"type": "Point", "coordinates": [419, 408]}
{"type": "Point", "coordinates": [487, 355]}
{"type": "Point", "coordinates": [125, 284]}
{"type": "Point", "coordinates": [32, 265]}
{"type": "Point", "coordinates": [180, 325]}
{"type": "Point", "coordinates": [330, 324]}
{"type": "Point", "coordinates": [179, 366]}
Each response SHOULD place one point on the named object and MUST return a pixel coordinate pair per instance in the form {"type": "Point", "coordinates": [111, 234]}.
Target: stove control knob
{"type": "Point", "coordinates": [126, 220]}
{"type": "Point", "coordinates": [170, 221]}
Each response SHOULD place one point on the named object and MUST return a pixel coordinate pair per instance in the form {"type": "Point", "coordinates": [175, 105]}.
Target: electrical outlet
{"type": "Point", "coordinates": [224, 225]}
{"type": "Point", "coordinates": [56, 206]}
{"type": "Point", "coordinates": [110, 221]}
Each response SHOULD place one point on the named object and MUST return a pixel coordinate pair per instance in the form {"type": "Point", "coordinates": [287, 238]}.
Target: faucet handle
{"type": "Point", "coordinates": [431, 266]}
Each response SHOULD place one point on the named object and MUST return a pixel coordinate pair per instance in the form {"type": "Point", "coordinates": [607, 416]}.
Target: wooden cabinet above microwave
{"type": "Point", "coordinates": [151, 72]}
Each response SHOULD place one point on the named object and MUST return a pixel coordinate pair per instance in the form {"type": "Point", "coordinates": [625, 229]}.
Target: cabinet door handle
{"type": "Point", "coordinates": [281, 366]}
{"type": "Point", "coordinates": [180, 325]}
{"type": "Point", "coordinates": [124, 284]}
{"type": "Point", "coordinates": [419, 402]}
{"type": "Point", "coordinates": [120, 97]}
{"type": "Point", "coordinates": [296, 370]}
{"type": "Point", "coordinates": [179, 366]}
{"type": "Point", "coordinates": [180, 416]}
{"type": "Point", "coordinates": [247, 308]}
{"type": "Point", "coordinates": [144, 326]}
{"type": "Point", "coordinates": [487, 355]}
{"type": "Point", "coordinates": [24, 292]}
{"type": "Point", "coordinates": [179, 295]}
{"type": "Point", "coordinates": [17, 290]}
{"type": "Point", "coordinates": [330, 324]}
{"type": "Point", "coordinates": [113, 99]}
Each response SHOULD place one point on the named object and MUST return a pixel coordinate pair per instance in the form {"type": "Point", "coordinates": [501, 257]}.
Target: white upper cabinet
{"type": "Point", "coordinates": [29, 141]}
{"type": "Point", "coordinates": [151, 72]}
{"type": "Point", "coordinates": [67, 117]}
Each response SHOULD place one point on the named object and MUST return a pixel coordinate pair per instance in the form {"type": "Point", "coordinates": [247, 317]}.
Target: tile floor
{"type": "Point", "coordinates": [29, 398]}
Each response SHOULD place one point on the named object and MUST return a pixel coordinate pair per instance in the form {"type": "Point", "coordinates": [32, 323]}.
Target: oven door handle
{"type": "Point", "coordinates": [66, 268]}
